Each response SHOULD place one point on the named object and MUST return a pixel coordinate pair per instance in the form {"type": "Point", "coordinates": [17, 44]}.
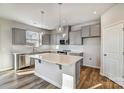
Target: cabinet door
{"type": "Point", "coordinates": [58, 38]}
{"type": "Point", "coordinates": [85, 31]}
{"type": "Point", "coordinates": [95, 30]}
{"type": "Point", "coordinates": [18, 36]}
{"type": "Point", "coordinates": [46, 39]}
{"type": "Point", "coordinates": [75, 38]}
{"type": "Point", "coordinates": [53, 39]}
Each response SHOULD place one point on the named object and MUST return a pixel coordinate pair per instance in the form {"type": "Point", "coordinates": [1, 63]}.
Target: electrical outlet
{"type": "Point", "coordinates": [122, 76]}
{"type": "Point", "coordinates": [90, 58]}
{"type": "Point", "coordinates": [39, 61]}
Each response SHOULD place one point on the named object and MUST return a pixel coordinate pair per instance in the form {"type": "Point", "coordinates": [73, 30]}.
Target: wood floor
{"type": "Point", "coordinates": [90, 78]}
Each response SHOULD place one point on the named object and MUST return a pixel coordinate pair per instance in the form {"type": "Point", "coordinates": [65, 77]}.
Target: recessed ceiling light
{"type": "Point", "coordinates": [94, 12]}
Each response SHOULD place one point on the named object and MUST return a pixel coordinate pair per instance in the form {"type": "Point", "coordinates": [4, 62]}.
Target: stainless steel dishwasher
{"type": "Point", "coordinates": [25, 61]}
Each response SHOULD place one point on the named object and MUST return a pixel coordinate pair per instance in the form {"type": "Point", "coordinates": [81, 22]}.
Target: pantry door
{"type": "Point", "coordinates": [113, 44]}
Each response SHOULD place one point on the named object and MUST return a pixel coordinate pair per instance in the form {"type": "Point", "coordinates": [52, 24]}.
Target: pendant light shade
{"type": "Point", "coordinates": [60, 27]}
{"type": "Point", "coordinates": [42, 19]}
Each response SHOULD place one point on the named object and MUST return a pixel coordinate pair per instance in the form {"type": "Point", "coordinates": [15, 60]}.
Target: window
{"type": "Point", "coordinates": [33, 38]}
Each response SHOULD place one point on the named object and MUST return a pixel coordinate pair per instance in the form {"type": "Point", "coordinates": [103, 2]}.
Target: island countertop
{"type": "Point", "coordinates": [58, 58]}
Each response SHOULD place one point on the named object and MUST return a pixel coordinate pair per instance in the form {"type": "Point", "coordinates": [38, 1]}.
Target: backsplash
{"type": "Point", "coordinates": [67, 47]}
{"type": "Point", "coordinates": [25, 48]}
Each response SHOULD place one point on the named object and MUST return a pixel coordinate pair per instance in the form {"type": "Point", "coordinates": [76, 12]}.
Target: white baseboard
{"type": "Point", "coordinates": [101, 74]}
{"type": "Point", "coordinates": [92, 66]}
{"type": "Point", "coordinates": [6, 69]}
{"type": "Point", "coordinates": [48, 80]}
{"type": "Point", "coordinates": [119, 82]}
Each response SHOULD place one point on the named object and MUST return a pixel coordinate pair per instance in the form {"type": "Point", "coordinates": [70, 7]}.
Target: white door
{"type": "Point", "coordinates": [113, 52]}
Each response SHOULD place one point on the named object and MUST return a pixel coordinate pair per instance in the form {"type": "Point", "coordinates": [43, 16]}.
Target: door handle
{"type": "Point", "coordinates": [105, 54]}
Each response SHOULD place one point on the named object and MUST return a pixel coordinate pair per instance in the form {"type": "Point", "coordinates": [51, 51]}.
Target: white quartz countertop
{"type": "Point", "coordinates": [58, 58]}
{"type": "Point", "coordinates": [45, 50]}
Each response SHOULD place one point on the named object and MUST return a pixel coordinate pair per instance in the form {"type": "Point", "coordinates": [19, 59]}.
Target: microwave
{"type": "Point", "coordinates": [62, 42]}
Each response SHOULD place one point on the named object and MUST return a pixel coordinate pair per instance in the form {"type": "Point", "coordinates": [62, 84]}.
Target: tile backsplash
{"type": "Point", "coordinates": [24, 48]}
{"type": "Point", "coordinates": [67, 47]}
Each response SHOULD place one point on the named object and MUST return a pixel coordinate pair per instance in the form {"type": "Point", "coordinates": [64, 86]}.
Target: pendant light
{"type": "Point", "coordinates": [60, 27]}
{"type": "Point", "coordinates": [42, 21]}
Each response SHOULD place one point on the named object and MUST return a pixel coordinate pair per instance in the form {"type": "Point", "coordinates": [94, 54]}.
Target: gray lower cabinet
{"type": "Point", "coordinates": [75, 38]}
{"type": "Point", "coordinates": [18, 36]}
{"type": "Point", "coordinates": [85, 31]}
{"type": "Point", "coordinates": [95, 30]}
{"type": "Point", "coordinates": [46, 39]}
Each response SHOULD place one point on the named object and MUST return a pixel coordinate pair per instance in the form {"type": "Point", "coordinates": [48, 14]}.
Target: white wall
{"type": "Point", "coordinates": [6, 42]}
{"type": "Point", "coordinates": [113, 16]}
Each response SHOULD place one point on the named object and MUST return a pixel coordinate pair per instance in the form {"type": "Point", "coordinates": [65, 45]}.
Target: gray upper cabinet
{"type": "Point", "coordinates": [53, 39]}
{"type": "Point", "coordinates": [46, 39]}
{"type": "Point", "coordinates": [95, 30]}
{"type": "Point", "coordinates": [59, 37]}
{"type": "Point", "coordinates": [85, 31]}
{"type": "Point", "coordinates": [91, 30]}
{"type": "Point", "coordinates": [18, 36]}
{"type": "Point", "coordinates": [75, 38]}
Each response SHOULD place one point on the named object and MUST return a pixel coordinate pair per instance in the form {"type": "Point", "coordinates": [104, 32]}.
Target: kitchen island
{"type": "Point", "coordinates": [51, 67]}
{"type": "Point", "coordinates": [23, 59]}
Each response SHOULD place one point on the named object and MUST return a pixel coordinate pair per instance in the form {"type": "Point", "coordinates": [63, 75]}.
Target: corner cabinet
{"type": "Point", "coordinates": [18, 36]}
{"type": "Point", "coordinates": [75, 37]}
{"type": "Point", "coordinates": [46, 39]}
{"type": "Point", "coordinates": [95, 30]}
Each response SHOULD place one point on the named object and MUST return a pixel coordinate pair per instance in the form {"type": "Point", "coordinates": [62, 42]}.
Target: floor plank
{"type": "Point", "coordinates": [89, 78]}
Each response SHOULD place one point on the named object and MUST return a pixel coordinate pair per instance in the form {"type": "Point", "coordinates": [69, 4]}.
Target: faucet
{"type": "Point", "coordinates": [34, 49]}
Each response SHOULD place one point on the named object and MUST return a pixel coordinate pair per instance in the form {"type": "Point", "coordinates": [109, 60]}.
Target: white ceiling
{"type": "Point", "coordinates": [71, 13]}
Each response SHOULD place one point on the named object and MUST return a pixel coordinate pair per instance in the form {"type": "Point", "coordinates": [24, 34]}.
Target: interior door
{"type": "Point", "coordinates": [113, 52]}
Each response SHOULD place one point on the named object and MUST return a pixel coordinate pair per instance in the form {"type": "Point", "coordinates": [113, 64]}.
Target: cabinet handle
{"type": "Point", "coordinates": [105, 54]}
{"type": "Point", "coordinates": [60, 66]}
{"type": "Point", "coordinates": [39, 61]}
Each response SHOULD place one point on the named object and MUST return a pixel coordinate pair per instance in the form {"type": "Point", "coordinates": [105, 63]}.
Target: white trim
{"type": "Point", "coordinates": [77, 27]}
{"type": "Point", "coordinates": [115, 23]}
{"type": "Point", "coordinates": [48, 80]}
{"type": "Point", "coordinates": [121, 83]}
{"type": "Point", "coordinates": [92, 66]}
{"type": "Point", "coordinates": [9, 68]}
{"type": "Point", "coordinates": [101, 74]}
